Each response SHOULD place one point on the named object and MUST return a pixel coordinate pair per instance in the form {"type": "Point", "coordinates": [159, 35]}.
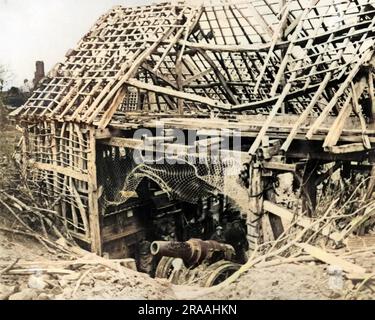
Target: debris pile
{"type": "Point", "coordinates": [79, 275]}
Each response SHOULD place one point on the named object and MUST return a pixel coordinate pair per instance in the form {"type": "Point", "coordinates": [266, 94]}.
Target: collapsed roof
{"type": "Point", "coordinates": [305, 57]}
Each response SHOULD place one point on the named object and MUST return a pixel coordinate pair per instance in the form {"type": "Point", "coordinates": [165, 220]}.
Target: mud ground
{"type": "Point", "coordinates": [283, 282]}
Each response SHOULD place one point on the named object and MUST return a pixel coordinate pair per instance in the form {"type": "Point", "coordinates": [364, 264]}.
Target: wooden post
{"type": "Point", "coordinates": [282, 4]}
{"type": "Point", "coordinates": [255, 204]}
{"type": "Point", "coordinates": [25, 152]}
{"type": "Point", "coordinates": [179, 80]}
{"type": "Point", "coordinates": [54, 150]}
{"type": "Point", "coordinates": [94, 217]}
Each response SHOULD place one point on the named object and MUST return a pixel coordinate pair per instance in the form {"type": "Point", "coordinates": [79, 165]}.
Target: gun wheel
{"type": "Point", "coordinates": [219, 271]}
{"type": "Point", "coordinates": [164, 268]}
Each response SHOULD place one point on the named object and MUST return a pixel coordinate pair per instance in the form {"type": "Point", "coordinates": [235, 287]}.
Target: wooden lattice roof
{"type": "Point", "coordinates": [236, 57]}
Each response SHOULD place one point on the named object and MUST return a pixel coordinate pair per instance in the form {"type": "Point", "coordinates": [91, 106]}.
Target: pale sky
{"type": "Point", "coordinates": [32, 30]}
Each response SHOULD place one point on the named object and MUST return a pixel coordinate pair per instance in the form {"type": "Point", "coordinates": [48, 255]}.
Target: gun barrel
{"type": "Point", "coordinates": [192, 251]}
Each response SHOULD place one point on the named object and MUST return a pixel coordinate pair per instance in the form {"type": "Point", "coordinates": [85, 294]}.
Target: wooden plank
{"type": "Point", "coordinates": [102, 134]}
{"type": "Point", "coordinates": [254, 147]}
{"type": "Point", "coordinates": [339, 124]}
{"type": "Point", "coordinates": [31, 271]}
{"type": "Point", "coordinates": [81, 208]}
{"type": "Point", "coordinates": [226, 47]}
{"type": "Point", "coordinates": [196, 76]}
{"type": "Point", "coordinates": [304, 222]}
{"type": "Point", "coordinates": [358, 112]}
{"type": "Point", "coordinates": [128, 262]}
{"type": "Point", "coordinates": [178, 68]}
{"type": "Point", "coordinates": [173, 148]}
{"type": "Point", "coordinates": [270, 165]}
{"type": "Point", "coordinates": [124, 142]}
{"type": "Point", "coordinates": [62, 170]}
{"type": "Point", "coordinates": [159, 75]}
{"type": "Point", "coordinates": [116, 102]}
{"type": "Point", "coordinates": [274, 40]}
{"type": "Point", "coordinates": [331, 259]}
{"type": "Point", "coordinates": [260, 19]}
{"type": "Point", "coordinates": [347, 148]}
{"type": "Point", "coordinates": [229, 94]}
{"type": "Point", "coordinates": [178, 94]}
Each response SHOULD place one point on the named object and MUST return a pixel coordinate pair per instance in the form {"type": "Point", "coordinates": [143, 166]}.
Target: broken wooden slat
{"type": "Point", "coordinates": [339, 123]}
{"type": "Point", "coordinates": [331, 259]}
{"type": "Point", "coordinates": [347, 148]}
{"type": "Point", "coordinates": [178, 94]}
{"type": "Point", "coordinates": [327, 109]}
{"type": "Point", "coordinates": [305, 222]}
{"type": "Point", "coordinates": [274, 40]}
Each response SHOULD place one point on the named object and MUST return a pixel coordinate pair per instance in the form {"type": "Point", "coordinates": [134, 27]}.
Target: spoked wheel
{"type": "Point", "coordinates": [219, 271]}
{"type": "Point", "coordinates": [164, 268]}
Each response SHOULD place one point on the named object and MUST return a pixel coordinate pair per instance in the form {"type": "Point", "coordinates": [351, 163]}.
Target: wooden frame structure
{"type": "Point", "coordinates": [299, 71]}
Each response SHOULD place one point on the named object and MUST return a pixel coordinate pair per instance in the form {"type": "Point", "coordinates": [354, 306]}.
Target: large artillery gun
{"type": "Point", "coordinates": [194, 261]}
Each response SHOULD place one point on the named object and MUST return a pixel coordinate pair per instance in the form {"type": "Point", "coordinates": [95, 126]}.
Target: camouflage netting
{"type": "Point", "coordinates": [183, 177]}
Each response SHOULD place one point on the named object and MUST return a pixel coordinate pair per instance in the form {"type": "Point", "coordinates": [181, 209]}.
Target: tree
{"type": "Point", "coordinates": [2, 77]}
{"type": "Point", "coordinates": [5, 77]}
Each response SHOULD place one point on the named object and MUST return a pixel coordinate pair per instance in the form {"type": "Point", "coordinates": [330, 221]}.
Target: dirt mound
{"type": "Point", "coordinates": [284, 282]}
{"type": "Point", "coordinates": [91, 281]}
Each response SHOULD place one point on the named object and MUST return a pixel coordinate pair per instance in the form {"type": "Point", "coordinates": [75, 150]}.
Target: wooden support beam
{"type": "Point", "coordinates": [370, 79]}
{"type": "Point", "coordinates": [306, 112]}
{"type": "Point", "coordinates": [254, 147]}
{"type": "Point", "coordinates": [338, 125]}
{"type": "Point", "coordinates": [347, 148]}
{"type": "Point", "coordinates": [180, 101]}
{"type": "Point", "coordinates": [159, 75]}
{"type": "Point", "coordinates": [174, 149]}
{"type": "Point", "coordinates": [196, 76]}
{"type": "Point", "coordinates": [278, 166]}
{"type": "Point", "coordinates": [260, 19]}
{"type": "Point", "coordinates": [327, 109]}
{"type": "Point", "coordinates": [290, 28]}
{"type": "Point", "coordinates": [116, 102]}
{"type": "Point", "coordinates": [178, 94]}
{"type": "Point", "coordinates": [82, 210]}
{"type": "Point", "coordinates": [93, 194]}
{"type": "Point", "coordinates": [228, 47]}
{"type": "Point", "coordinates": [358, 112]}
{"type": "Point", "coordinates": [124, 142]}
{"type": "Point", "coordinates": [69, 172]}
{"type": "Point", "coordinates": [103, 134]}
{"type": "Point", "coordinates": [54, 150]}
{"type": "Point", "coordinates": [230, 95]}
{"type": "Point", "coordinates": [253, 218]}
{"type": "Point", "coordinates": [287, 54]}
{"type": "Point", "coordinates": [275, 38]}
